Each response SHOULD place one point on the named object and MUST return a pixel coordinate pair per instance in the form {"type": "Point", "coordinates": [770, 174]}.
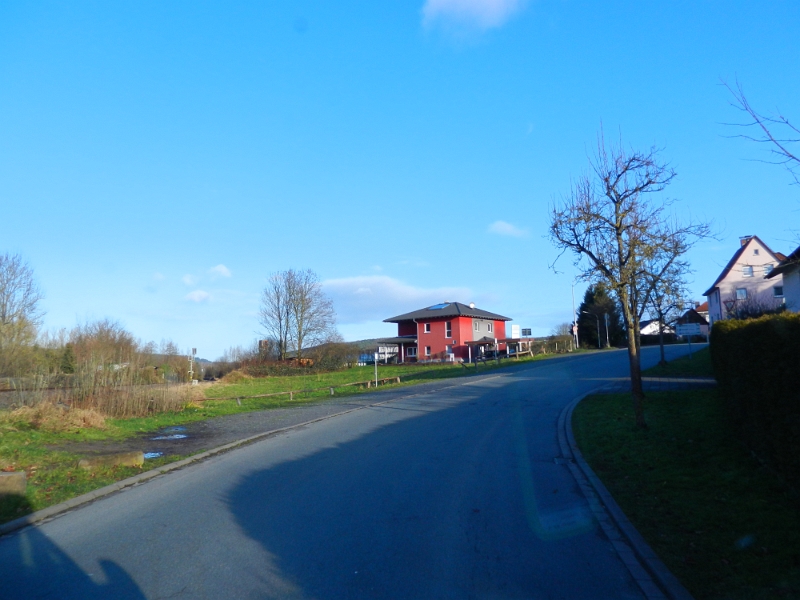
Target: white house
{"type": "Point", "coordinates": [789, 270]}
{"type": "Point", "coordinates": [743, 282]}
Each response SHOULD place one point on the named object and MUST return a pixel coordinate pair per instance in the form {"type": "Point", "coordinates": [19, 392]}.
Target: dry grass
{"type": "Point", "coordinates": [53, 418]}
{"type": "Point", "coordinates": [236, 377]}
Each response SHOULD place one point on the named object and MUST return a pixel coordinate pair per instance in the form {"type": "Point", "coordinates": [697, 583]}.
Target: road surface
{"type": "Point", "coordinates": [452, 490]}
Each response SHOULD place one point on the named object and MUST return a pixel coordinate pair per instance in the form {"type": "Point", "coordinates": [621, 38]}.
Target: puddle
{"type": "Point", "coordinates": [174, 436]}
{"type": "Point", "coordinates": [153, 455]}
{"type": "Point", "coordinates": [175, 429]}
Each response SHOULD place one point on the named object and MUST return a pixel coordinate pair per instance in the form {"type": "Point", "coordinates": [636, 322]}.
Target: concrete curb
{"type": "Point", "coordinates": [652, 575]}
{"type": "Point", "coordinates": [58, 509]}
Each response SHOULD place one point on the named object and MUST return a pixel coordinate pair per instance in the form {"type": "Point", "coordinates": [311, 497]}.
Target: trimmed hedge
{"type": "Point", "coordinates": [757, 366]}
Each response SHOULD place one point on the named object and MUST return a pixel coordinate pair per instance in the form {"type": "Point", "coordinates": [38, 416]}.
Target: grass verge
{"type": "Point", "coordinates": [722, 524]}
{"type": "Point", "coordinates": [697, 365]}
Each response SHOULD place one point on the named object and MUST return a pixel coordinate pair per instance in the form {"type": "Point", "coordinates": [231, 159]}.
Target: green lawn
{"type": "Point", "coordinates": [697, 365]}
{"type": "Point", "coordinates": [722, 524]}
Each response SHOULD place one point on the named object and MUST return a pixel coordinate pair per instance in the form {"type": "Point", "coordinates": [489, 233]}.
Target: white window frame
{"type": "Point", "coordinates": [427, 350]}
{"type": "Point", "coordinates": [426, 327]}
{"type": "Point", "coordinates": [477, 326]}
{"type": "Point", "coordinates": [448, 348]}
{"type": "Point", "coordinates": [768, 268]}
{"type": "Point", "coordinates": [743, 295]}
{"type": "Point", "coordinates": [747, 271]}
{"type": "Point", "coordinates": [448, 329]}
{"type": "Point", "coordinates": [489, 327]}
{"type": "Point", "coordinates": [411, 352]}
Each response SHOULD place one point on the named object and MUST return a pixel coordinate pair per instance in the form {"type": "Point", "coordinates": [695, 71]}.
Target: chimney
{"type": "Point", "coordinates": [744, 239]}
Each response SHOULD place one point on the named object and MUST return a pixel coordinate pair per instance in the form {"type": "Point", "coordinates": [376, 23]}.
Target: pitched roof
{"type": "Point", "coordinates": [447, 309]}
{"type": "Point", "coordinates": [787, 263]}
{"type": "Point", "coordinates": [735, 258]}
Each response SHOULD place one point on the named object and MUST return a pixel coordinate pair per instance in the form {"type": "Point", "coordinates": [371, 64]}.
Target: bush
{"type": "Point", "coordinates": [757, 365]}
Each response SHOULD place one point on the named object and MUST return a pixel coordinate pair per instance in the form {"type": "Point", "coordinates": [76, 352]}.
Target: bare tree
{"type": "Point", "coordinates": [667, 301]}
{"type": "Point", "coordinates": [295, 312]}
{"type": "Point", "coordinates": [561, 329]}
{"type": "Point", "coordinates": [19, 309]}
{"type": "Point", "coordinates": [776, 131]}
{"type": "Point", "coordinates": [619, 236]}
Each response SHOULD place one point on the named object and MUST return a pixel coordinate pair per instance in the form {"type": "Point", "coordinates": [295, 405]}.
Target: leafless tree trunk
{"type": "Point", "coordinates": [275, 313]}
{"type": "Point", "coordinates": [619, 236]}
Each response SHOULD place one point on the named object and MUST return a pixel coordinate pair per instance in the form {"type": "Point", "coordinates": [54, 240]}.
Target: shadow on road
{"type": "Point", "coordinates": [34, 567]}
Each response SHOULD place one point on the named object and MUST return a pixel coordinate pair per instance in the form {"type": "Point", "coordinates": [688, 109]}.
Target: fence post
{"type": "Point", "coordinates": [331, 391]}
{"type": "Point", "coordinates": [291, 395]}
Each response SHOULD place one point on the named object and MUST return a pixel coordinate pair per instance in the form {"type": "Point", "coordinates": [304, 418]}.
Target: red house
{"type": "Point", "coordinates": [448, 331]}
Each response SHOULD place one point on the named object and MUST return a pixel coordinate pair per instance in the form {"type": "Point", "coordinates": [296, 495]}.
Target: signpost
{"type": "Point", "coordinates": [688, 330]}
{"type": "Point", "coordinates": [526, 333]}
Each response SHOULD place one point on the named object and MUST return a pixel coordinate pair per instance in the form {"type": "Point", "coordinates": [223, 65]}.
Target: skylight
{"type": "Point", "coordinates": [439, 306]}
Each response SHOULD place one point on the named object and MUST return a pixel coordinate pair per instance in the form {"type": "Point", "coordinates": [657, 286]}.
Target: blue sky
{"type": "Point", "coordinates": [158, 160]}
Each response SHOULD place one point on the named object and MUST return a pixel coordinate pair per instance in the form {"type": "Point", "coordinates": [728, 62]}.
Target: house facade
{"type": "Point", "coordinates": [744, 282]}
{"type": "Point", "coordinates": [789, 271]}
{"type": "Point", "coordinates": [448, 331]}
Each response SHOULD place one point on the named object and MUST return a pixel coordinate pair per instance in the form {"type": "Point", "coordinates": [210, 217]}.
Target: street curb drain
{"type": "Point", "coordinates": [652, 575]}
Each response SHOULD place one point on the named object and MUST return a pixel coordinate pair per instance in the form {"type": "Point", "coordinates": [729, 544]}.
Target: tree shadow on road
{"type": "Point", "coordinates": [34, 567]}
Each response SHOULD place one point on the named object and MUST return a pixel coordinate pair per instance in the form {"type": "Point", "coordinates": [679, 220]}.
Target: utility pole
{"type": "Point", "coordinates": [574, 319]}
{"type": "Point", "coordinates": [608, 344]}
{"type": "Point", "coordinates": [598, 326]}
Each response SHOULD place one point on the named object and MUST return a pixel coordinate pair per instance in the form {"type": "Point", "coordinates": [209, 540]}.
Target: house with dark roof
{"type": "Point", "coordinates": [448, 331]}
{"type": "Point", "coordinates": [789, 270]}
{"type": "Point", "coordinates": [743, 282]}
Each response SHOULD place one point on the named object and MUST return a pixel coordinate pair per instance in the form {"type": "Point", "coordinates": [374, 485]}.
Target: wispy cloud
{"type": "Point", "coordinates": [219, 271]}
{"type": "Point", "coordinates": [507, 229]}
{"type": "Point", "coordinates": [480, 14]}
{"type": "Point", "coordinates": [198, 296]}
{"type": "Point", "coordinates": [158, 276]}
{"type": "Point", "coordinates": [378, 297]}
{"type": "Point", "coordinates": [189, 279]}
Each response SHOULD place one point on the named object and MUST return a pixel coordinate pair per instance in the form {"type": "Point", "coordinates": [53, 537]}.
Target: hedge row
{"type": "Point", "coordinates": [757, 366]}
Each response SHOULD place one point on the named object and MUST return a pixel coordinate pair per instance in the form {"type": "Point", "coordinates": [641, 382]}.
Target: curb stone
{"type": "Point", "coordinates": [652, 575]}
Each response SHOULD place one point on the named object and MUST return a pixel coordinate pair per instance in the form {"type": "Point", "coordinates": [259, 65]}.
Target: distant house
{"type": "Point", "coordinates": [650, 327]}
{"type": "Point", "coordinates": [743, 282]}
{"type": "Point", "coordinates": [789, 270]}
{"type": "Point", "coordinates": [447, 331]}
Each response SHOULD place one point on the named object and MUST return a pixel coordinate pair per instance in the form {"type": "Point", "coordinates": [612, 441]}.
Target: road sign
{"type": "Point", "coordinates": [526, 332]}
{"type": "Point", "coordinates": [689, 329]}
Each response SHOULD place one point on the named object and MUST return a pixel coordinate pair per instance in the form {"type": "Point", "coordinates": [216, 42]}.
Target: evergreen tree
{"type": "Point", "coordinates": [598, 303]}
{"type": "Point", "coordinates": [68, 360]}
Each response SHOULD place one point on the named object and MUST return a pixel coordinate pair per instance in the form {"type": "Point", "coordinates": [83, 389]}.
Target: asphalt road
{"type": "Point", "coordinates": [453, 490]}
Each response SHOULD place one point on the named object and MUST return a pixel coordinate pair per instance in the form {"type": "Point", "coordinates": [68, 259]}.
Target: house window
{"type": "Point", "coordinates": [411, 351]}
{"type": "Point", "coordinates": [448, 329]}
{"type": "Point", "coordinates": [488, 326]}
{"type": "Point", "coordinates": [449, 348]}
{"type": "Point", "coordinates": [427, 327]}
{"type": "Point", "coordinates": [755, 252]}
{"type": "Point", "coordinates": [777, 291]}
{"type": "Point", "coordinates": [427, 350]}
{"type": "Point", "coordinates": [741, 294]}
{"type": "Point", "coordinates": [768, 269]}
{"type": "Point", "coordinates": [477, 326]}
{"type": "Point", "coordinates": [747, 271]}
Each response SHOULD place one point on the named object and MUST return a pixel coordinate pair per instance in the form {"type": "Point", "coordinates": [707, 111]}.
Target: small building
{"type": "Point", "coordinates": [789, 271]}
{"type": "Point", "coordinates": [450, 331]}
{"type": "Point", "coordinates": [743, 282]}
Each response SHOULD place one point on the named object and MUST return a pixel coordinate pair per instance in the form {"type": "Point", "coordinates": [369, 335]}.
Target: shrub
{"type": "Point", "coordinates": [757, 365]}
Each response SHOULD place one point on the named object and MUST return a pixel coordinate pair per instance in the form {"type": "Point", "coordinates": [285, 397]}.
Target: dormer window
{"type": "Point", "coordinates": [747, 271]}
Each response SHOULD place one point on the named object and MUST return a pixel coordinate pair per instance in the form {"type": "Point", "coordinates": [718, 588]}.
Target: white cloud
{"type": "Point", "coordinates": [483, 14]}
{"type": "Point", "coordinates": [503, 228]}
{"type": "Point", "coordinates": [219, 271]}
{"type": "Point", "coordinates": [198, 296]}
{"type": "Point", "coordinates": [158, 276]}
{"type": "Point", "coordinates": [189, 279]}
{"type": "Point", "coordinates": [377, 297]}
